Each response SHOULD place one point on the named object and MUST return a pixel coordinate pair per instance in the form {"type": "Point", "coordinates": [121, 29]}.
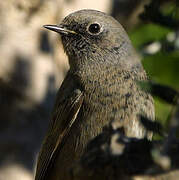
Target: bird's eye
{"type": "Point", "coordinates": [94, 28]}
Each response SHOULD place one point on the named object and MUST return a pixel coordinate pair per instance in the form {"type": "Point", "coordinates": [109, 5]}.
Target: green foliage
{"type": "Point", "coordinates": [163, 66]}
{"type": "Point", "coordinates": [163, 111]}
{"type": "Point", "coordinates": [170, 9]}
{"type": "Point", "coordinates": [146, 33]}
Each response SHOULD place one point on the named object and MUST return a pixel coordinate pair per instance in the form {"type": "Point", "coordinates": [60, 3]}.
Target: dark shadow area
{"type": "Point", "coordinates": [45, 45]}
{"type": "Point", "coordinates": [123, 7]}
{"type": "Point", "coordinates": [23, 122]}
{"type": "Point", "coordinates": [21, 75]}
{"type": "Point", "coordinates": [123, 10]}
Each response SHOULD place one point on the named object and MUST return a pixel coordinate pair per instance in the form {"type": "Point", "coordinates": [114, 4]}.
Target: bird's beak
{"type": "Point", "coordinates": [59, 29]}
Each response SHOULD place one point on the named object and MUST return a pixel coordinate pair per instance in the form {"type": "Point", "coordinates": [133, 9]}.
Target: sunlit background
{"type": "Point", "coordinates": [33, 65]}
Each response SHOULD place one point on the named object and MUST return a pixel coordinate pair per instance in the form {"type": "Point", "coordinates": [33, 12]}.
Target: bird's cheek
{"type": "Point", "coordinates": [106, 43]}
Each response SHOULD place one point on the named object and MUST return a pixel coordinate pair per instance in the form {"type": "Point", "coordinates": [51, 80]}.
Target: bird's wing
{"type": "Point", "coordinates": [68, 102]}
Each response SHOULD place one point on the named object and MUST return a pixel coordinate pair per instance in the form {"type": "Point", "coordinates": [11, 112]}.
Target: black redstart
{"type": "Point", "coordinates": [100, 87]}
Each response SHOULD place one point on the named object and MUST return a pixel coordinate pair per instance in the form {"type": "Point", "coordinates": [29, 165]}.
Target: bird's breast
{"type": "Point", "coordinates": [106, 87]}
{"type": "Point", "coordinates": [107, 94]}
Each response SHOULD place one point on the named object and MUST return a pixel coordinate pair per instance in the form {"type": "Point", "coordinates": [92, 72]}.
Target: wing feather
{"type": "Point", "coordinates": [63, 117]}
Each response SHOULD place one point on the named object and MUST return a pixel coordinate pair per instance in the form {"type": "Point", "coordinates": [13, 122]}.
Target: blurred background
{"type": "Point", "coordinates": [33, 65]}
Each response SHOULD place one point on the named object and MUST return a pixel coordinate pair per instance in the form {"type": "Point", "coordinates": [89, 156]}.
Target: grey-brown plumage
{"type": "Point", "coordinates": [99, 87]}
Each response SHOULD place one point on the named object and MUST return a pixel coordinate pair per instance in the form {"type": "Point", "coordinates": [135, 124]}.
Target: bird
{"type": "Point", "coordinates": [99, 88]}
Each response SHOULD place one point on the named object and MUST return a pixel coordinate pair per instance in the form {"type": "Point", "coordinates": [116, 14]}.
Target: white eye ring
{"type": "Point", "coordinates": [94, 28]}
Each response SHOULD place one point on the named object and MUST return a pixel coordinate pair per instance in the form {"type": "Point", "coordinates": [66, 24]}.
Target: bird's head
{"type": "Point", "coordinates": [93, 35]}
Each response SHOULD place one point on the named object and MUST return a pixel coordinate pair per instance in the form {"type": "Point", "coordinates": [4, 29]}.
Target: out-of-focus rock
{"type": "Point", "coordinates": [15, 172]}
{"type": "Point", "coordinates": [32, 67]}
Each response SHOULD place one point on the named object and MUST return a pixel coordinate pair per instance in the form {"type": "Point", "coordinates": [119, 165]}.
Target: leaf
{"type": "Point", "coordinates": [163, 68]}
{"type": "Point", "coordinates": [147, 33]}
